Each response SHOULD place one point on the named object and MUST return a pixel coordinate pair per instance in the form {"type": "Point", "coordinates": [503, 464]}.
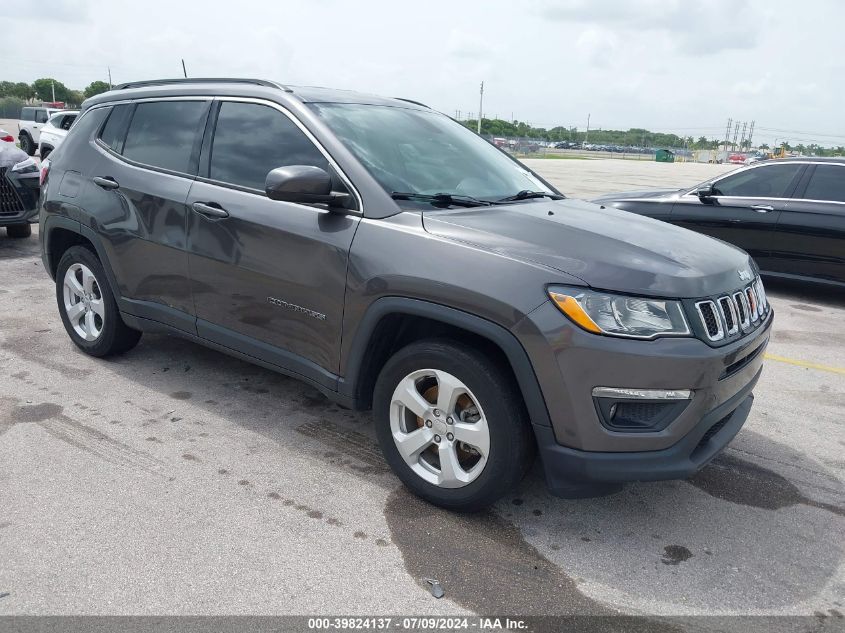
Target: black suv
{"type": "Point", "coordinates": [393, 259]}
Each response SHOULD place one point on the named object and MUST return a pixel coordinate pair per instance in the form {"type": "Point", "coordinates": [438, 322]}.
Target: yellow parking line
{"type": "Point", "coordinates": [805, 364]}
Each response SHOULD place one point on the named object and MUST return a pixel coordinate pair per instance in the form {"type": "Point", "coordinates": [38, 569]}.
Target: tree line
{"type": "Point", "coordinates": [15, 94]}
{"type": "Point", "coordinates": [43, 90]}
{"type": "Point", "coordinates": [634, 137]}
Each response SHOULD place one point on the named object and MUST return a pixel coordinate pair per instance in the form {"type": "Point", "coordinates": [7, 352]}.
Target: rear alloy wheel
{"type": "Point", "coordinates": [83, 300]}
{"type": "Point", "coordinates": [87, 306]}
{"type": "Point", "coordinates": [451, 424]}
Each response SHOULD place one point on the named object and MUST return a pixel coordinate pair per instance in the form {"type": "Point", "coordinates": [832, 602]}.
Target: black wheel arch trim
{"type": "Point", "coordinates": [53, 222]}
{"type": "Point", "coordinates": [497, 334]}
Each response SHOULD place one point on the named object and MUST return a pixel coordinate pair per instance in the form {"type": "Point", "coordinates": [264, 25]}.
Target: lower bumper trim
{"type": "Point", "coordinates": [570, 472]}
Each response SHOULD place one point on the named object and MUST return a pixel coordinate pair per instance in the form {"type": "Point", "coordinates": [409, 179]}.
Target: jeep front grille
{"type": "Point", "coordinates": [735, 313]}
{"type": "Point", "coordinates": [710, 318]}
{"type": "Point", "coordinates": [10, 201]}
{"type": "Point", "coordinates": [742, 309]}
{"type": "Point", "coordinates": [728, 308]}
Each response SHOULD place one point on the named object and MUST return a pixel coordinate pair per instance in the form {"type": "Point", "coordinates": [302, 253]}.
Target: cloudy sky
{"type": "Point", "coordinates": [671, 65]}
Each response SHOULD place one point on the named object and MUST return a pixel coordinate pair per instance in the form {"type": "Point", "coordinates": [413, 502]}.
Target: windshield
{"type": "Point", "coordinates": [424, 152]}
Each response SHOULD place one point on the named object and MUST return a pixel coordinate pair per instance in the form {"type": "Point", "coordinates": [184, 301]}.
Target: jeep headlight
{"type": "Point", "coordinates": [25, 166]}
{"type": "Point", "coordinates": [620, 315]}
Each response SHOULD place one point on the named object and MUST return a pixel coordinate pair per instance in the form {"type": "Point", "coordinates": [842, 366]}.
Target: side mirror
{"type": "Point", "coordinates": [302, 183]}
{"type": "Point", "coordinates": [705, 191]}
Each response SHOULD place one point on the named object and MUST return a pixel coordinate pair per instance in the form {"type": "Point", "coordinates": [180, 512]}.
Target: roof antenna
{"type": "Point", "coordinates": [184, 72]}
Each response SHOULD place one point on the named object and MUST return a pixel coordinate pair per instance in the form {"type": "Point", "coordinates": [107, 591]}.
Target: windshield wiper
{"type": "Point", "coordinates": [525, 194]}
{"type": "Point", "coordinates": [445, 199]}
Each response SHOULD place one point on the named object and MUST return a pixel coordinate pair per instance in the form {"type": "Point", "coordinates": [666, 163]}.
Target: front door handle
{"type": "Point", "coordinates": [106, 183]}
{"type": "Point", "coordinates": [210, 210]}
{"type": "Point", "coordinates": [762, 208]}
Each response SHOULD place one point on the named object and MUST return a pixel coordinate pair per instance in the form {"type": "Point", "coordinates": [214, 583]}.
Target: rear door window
{"type": "Point", "coordinates": [769, 181]}
{"type": "Point", "coordinates": [41, 116]}
{"type": "Point", "coordinates": [166, 134]}
{"type": "Point", "coordinates": [827, 183]}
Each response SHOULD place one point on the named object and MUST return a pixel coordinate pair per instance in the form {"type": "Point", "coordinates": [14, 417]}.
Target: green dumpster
{"type": "Point", "coordinates": [664, 156]}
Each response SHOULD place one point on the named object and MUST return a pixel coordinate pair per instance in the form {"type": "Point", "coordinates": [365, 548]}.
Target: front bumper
{"type": "Point", "coordinates": [579, 448]}
{"type": "Point", "coordinates": [18, 198]}
{"type": "Point", "coordinates": [570, 472]}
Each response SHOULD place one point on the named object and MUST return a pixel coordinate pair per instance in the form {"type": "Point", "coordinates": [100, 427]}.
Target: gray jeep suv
{"type": "Point", "coordinates": [389, 257]}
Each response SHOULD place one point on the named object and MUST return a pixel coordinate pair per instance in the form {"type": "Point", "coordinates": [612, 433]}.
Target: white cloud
{"type": "Point", "coordinates": [669, 64]}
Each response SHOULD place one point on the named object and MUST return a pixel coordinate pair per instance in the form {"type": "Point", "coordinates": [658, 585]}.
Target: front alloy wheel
{"type": "Point", "coordinates": [451, 423]}
{"type": "Point", "coordinates": [439, 428]}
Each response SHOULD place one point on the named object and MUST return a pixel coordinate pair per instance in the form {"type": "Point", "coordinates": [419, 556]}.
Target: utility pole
{"type": "Point", "coordinates": [480, 106]}
{"type": "Point", "coordinates": [750, 134]}
{"type": "Point", "coordinates": [736, 134]}
{"type": "Point", "coordinates": [184, 72]}
{"type": "Point", "coordinates": [53, 86]}
{"type": "Point", "coordinates": [587, 134]}
{"type": "Point", "coordinates": [728, 133]}
{"type": "Point", "coordinates": [110, 84]}
{"type": "Point", "coordinates": [743, 137]}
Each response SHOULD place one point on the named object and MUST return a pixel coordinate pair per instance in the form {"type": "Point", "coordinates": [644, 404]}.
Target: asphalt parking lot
{"type": "Point", "coordinates": [176, 480]}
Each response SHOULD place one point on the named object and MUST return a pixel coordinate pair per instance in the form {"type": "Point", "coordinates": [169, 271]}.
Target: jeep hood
{"type": "Point", "coordinates": [606, 248]}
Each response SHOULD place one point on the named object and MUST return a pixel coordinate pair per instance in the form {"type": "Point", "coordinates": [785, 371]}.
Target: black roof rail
{"type": "Point", "coordinates": [202, 80]}
{"type": "Point", "coordinates": [412, 101]}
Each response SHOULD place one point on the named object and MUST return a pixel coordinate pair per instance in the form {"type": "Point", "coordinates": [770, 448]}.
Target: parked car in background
{"type": "Point", "coordinates": [389, 257]}
{"type": "Point", "coordinates": [788, 214]}
{"type": "Point", "coordinates": [33, 118]}
{"type": "Point", "coordinates": [19, 189]}
{"type": "Point", "coordinates": [54, 131]}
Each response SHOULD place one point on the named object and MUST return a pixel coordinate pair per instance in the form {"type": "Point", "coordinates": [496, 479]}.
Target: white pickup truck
{"type": "Point", "coordinates": [33, 118]}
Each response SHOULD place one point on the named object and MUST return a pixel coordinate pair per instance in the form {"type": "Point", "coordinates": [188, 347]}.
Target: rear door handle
{"type": "Point", "coordinates": [106, 183]}
{"type": "Point", "coordinates": [762, 208]}
{"type": "Point", "coordinates": [210, 210]}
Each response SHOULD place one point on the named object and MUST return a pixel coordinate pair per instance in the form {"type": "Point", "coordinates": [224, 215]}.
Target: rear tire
{"type": "Point", "coordinates": [87, 306]}
{"type": "Point", "coordinates": [465, 436]}
{"type": "Point", "coordinates": [19, 230]}
{"type": "Point", "coordinates": [27, 144]}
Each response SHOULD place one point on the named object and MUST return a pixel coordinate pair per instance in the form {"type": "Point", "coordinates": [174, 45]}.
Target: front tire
{"type": "Point", "coordinates": [451, 424]}
{"type": "Point", "coordinates": [87, 306]}
{"type": "Point", "coordinates": [19, 230]}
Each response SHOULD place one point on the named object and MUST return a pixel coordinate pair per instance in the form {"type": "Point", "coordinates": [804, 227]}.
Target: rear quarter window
{"type": "Point", "coordinates": [114, 131]}
{"type": "Point", "coordinates": [27, 114]}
